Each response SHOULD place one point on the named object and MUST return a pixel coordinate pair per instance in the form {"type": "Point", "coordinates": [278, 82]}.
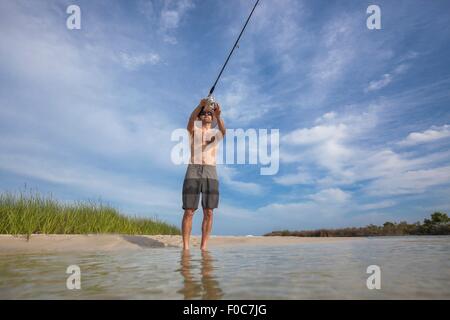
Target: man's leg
{"type": "Point", "coordinates": [186, 227]}
{"type": "Point", "coordinates": [206, 226]}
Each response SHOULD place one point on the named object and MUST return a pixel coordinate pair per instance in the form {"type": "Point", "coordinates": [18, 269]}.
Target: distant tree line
{"type": "Point", "coordinates": [439, 224]}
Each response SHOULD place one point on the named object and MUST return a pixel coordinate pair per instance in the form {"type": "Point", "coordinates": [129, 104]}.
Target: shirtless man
{"type": "Point", "coordinates": [201, 174]}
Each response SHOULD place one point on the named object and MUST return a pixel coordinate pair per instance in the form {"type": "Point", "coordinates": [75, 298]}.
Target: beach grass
{"type": "Point", "coordinates": [26, 214]}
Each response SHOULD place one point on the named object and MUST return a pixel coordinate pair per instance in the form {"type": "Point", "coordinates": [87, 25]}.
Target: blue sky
{"type": "Point", "coordinates": [364, 115]}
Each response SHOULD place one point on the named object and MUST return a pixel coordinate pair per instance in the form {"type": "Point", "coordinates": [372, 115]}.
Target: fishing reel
{"type": "Point", "coordinates": [210, 102]}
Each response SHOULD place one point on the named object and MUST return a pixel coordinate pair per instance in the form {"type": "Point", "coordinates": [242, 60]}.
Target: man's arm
{"type": "Point", "coordinates": [194, 115]}
{"type": "Point", "coordinates": [220, 122]}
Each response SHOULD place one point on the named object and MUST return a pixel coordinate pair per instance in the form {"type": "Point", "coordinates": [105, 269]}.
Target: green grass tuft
{"type": "Point", "coordinates": [31, 214]}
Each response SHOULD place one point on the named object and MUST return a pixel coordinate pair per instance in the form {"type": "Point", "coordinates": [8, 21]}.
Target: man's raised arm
{"type": "Point", "coordinates": [194, 115]}
{"type": "Point", "coordinates": [220, 122]}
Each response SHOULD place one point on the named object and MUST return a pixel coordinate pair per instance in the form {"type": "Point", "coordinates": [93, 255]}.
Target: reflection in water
{"type": "Point", "coordinates": [208, 286]}
{"type": "Point", "coordinates": [335, 270]}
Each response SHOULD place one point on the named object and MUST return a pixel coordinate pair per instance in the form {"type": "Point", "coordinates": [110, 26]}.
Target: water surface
{"type": "Point", "coordinates": [411, 268]}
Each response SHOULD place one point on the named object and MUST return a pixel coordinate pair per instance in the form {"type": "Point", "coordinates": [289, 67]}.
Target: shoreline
{"type": "Point", "coordinates": [45, 243]}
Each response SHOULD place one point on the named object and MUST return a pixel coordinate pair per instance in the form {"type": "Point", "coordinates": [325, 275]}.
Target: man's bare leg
{"type": "Point", "coordinates": [186, 227]}
{"type": "Point", "coordinates": [206, 226]}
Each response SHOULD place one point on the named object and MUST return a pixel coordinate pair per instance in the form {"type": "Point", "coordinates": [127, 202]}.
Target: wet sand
{"type": "Point", "coordinates": [111, 242]}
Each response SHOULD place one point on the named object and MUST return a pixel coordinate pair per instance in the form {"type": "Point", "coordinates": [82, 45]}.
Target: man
{"type": "Point", "coordinates": [201, 174]}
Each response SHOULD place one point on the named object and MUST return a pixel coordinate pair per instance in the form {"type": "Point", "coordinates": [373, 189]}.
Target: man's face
{"type": "Point", "coordinates": [206, 115]}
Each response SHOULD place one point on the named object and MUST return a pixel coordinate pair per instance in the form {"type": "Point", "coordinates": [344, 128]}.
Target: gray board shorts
{"type": "Point", "coordinates": [200, 178]}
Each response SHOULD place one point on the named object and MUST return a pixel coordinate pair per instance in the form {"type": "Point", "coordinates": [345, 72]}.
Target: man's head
{"type": "Point", "coordinates": [206, 115]}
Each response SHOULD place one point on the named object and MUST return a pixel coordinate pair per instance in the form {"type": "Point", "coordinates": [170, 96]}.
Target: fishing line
{"type": "Point", "coordinates": [231, 52]}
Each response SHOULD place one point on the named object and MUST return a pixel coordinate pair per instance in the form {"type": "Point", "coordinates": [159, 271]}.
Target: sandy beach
{"type": "Point", "coordinates": [110, 242]}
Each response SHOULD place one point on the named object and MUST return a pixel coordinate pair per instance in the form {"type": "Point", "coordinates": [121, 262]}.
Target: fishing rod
{"type": "Point", "coordinates": [210, 98]}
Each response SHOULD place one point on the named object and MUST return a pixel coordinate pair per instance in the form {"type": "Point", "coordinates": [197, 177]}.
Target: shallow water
{"type": "Point", "coordinates": [411, 268]}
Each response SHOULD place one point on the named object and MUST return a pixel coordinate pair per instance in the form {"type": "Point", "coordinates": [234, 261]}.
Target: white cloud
{"type": "Point", "coordinates": [378, 84]}
{"type": "Point", "coordinates": [330, 67]}
{"type": "Point", "coordinates": [227, 175]}
{"type": "Point", "coordinates": [333, 146]}
{"type": "Point", "coordinates": [332, 195]}
{"type": "Point", "coordinates": [402, 68]}
{"type": "Point", "coordinates": [278, 21]}
{"type": "Point", "coordinates": [430, 135]}
{"type": "Point", "coordinates": [147, 8]}
{"type": "Point", "coordinates": [243, 103]}
{"type": "Point", "coordinates": [327, 117]}
{"type": "Point", "coordinates": [315, 135]}
{"type": "Point", "coordinates": [165, 16]}
{"type": "Point", "coordinates": [134, 61]}
{"type": "Point", "coordinates": [329, 144]}
{"type": "Point", "coordinates": [170, 39]}
{"type": "Point", "coordinates": [410, 55]}
{"type": "Point", "coordinates": [387, 78]}
{"type": "Point", "coordinates": [171, 16]}
{"type": "Point", "coordinates": [338, 44]}
{"type": "Point", "coordinates": [377, 205]}
{"type": "Point", "coordinates": [169, 19]}
{"type": "Point", "coordinates": [325, 208]}
{"type": "Point", "coordinates": [409, 182]}
{"type": "Point", "coordinates": [300, 177]}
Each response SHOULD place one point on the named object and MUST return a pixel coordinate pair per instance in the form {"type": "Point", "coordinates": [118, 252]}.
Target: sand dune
{"type": "Point", "coordinates": [111, 242]}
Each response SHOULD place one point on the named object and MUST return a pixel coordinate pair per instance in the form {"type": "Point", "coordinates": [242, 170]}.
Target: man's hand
{"type": "Point", "coordinates": [217, 111]}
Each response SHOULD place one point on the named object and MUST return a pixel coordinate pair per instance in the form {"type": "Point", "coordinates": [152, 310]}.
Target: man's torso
{"type": "Point", "coordinates": [204, 144]}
